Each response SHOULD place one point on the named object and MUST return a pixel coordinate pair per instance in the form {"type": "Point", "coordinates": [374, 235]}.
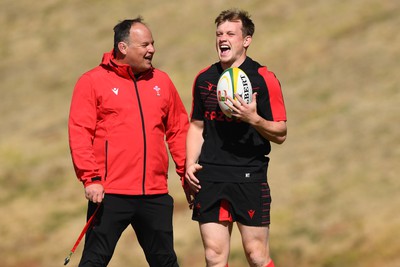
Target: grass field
{"type": "Point", "coordinates": [334, 181]}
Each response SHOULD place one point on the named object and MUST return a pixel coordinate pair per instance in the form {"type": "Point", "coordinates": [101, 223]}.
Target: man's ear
{"type": "Point", "coordinates": [122, 46]}
{"type": "Point", "coordinates": [247, 41]}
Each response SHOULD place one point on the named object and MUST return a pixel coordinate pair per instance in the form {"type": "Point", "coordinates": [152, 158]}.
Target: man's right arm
{"type": "Point", "coordinates": [81, 129]}
{"type": "Point", "coordinates": [194, 142]}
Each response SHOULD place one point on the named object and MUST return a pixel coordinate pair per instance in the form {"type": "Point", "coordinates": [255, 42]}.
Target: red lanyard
{"type": "Point", "coordinates": [84, 230]}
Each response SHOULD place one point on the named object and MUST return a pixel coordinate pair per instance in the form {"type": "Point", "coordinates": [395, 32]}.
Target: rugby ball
{"type": "Point", "coordinates": [231, 81]}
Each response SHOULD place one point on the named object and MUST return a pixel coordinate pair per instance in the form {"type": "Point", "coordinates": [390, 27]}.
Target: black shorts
{"type": "Point", "coordinates": [246, 203]}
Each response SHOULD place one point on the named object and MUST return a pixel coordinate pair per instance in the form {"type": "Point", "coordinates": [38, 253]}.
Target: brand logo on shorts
{"type": "Point", "coordinates": [247, 175]}
{"type": "Point", "coordinates": [251, 213]}
{"type": "Point", "coordinates": [196, 209]}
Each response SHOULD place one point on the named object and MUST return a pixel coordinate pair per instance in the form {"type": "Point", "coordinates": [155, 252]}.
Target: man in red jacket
{"type": "Point", "coordinates": [123, 113]}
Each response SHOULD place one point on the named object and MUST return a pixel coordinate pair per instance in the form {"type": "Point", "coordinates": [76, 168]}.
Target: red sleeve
{"type": "Point", "coordinates": [176, 130]}
{"type": "Point", "coordinates": [275, 95]}
{"type": "Point", "coordinates": [81, 129]}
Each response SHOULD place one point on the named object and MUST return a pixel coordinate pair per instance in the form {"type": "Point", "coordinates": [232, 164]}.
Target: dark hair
{"type": "Point", "coordinates": [121, 31]}
{"type": "Point", "coordinates": [248, 27]}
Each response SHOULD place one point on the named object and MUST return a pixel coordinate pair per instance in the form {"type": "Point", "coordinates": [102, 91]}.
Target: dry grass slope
{"type": "Point", "coordinates": [334, 181]}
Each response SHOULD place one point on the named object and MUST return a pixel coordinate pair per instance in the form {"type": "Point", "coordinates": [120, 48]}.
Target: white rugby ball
{"type": "Point", "coordinates": [231, 81]}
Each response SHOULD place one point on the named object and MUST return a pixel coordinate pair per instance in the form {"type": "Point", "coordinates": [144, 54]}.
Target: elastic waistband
{"type": "Point", "coordinates": [237, 174]}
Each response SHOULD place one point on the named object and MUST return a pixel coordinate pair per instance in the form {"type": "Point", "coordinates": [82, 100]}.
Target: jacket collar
{"type": "Point", "coordinates": [124, 70]}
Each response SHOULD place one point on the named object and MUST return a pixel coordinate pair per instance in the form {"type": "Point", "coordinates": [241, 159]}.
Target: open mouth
{"type": "Point", "coordinates": [224, 49]}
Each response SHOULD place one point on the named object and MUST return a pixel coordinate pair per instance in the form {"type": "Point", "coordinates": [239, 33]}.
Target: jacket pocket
{"type": "Point", "coordinates": [105, 160]}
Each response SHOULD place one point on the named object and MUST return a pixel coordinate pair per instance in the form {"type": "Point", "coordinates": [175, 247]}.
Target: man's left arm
{"type": "Point", "coordinates": [177, 125]}
{"type": "Point", "coordinates": [274, 131]}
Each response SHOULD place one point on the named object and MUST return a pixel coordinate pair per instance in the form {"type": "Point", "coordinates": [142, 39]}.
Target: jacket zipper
{"type": "Point", "coordinates": [144, 136]}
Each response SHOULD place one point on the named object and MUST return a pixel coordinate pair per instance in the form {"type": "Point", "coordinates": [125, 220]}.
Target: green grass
{"type": "Point", "coordinates": [334, 181]}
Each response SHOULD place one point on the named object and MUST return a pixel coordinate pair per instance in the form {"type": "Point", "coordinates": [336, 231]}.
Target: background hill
{"type": "Point", "coordinates": [334, 181]}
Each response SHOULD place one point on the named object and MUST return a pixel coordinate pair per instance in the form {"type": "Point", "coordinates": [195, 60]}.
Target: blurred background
{"type": "Point", "coordinates": [334, 187]}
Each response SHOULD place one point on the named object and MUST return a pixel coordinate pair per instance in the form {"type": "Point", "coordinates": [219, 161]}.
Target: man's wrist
{"type": "Point", "coordinates": [256, 121]}
{"type": "Point", "coordinates": [188, 164]}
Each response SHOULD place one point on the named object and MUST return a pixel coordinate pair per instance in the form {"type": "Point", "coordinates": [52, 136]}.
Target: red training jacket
{"type": "Point", "coordinates": [119, 126]}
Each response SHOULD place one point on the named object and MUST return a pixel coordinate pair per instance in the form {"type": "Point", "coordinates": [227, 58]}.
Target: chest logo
{"type": "Point", "coordinates": [115, 91]}
{"type": "Point", "coordinates": [157, 89]}
{"type": "Point", "coordinates": [210, 86]}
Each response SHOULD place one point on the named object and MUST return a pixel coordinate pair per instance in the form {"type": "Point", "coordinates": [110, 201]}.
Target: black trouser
{"type": "Point", "coordinates": [151, 219]}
